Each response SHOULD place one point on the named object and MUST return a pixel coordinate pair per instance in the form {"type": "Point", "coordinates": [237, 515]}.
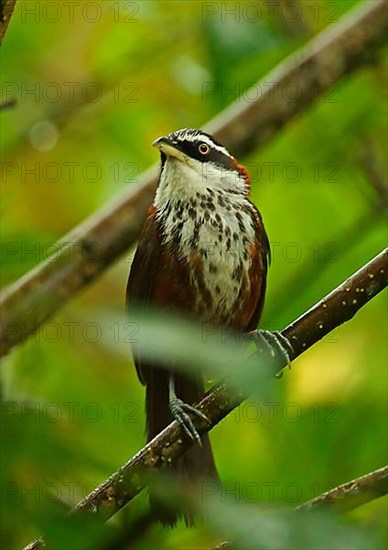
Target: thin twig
{"type": "Point", "coordinates": [8, 104]}
{"type": "Point", "coordinates": [333, 310]}
{"type": "Point", "coordinates": [332, 55]}
{"type": "Point", "coordinates": [352, 494]}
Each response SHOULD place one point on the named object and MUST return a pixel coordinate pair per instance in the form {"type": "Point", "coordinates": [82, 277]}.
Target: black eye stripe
{"type": "Point", "coordinates": [189, 141]}
{"type": "Point", "coordinates": [191, 148]}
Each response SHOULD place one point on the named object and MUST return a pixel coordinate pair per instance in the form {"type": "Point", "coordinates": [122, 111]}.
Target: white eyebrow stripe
{"type": "Point", "coordinates": [190, 136]}
{"type": "Point", "coordinates": [211, 143]}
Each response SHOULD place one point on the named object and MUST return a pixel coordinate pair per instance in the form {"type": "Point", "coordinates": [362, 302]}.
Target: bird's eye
{"type": "Point", "coordinates": [203, 148]}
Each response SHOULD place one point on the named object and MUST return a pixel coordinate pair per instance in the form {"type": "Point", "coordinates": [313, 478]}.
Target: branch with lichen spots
{"type": "Point", "coordinates": [352, 494]}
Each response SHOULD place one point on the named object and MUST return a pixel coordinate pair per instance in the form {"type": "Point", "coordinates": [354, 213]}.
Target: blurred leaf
{"type": "Point", "coordinates": [255, 528]}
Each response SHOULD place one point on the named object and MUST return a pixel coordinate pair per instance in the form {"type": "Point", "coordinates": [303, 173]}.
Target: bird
{"type": "Point", "coordinates": [203, 253]}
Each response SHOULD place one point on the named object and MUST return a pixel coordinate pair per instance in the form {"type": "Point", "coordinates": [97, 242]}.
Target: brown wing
{"type": "Point", "coordinates": [261, 256]}
{"type": "Point", "coordinates": [144, 266]}
{"type": "Point", "coordinates": [143, 277]}
{"type": "Point", "coordinates": [157, 280]}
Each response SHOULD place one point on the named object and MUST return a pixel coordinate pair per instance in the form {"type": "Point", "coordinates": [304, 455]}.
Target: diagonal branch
{"type": "Point", "coordinates": [340, 305]}
{"type": "Point", "coordinates": [6, 10]}
{"type": "Point", "coordinates": [332, 55]}
{"type": "Point", "coordinates": [352, 494]}
{"type": "Point", "coordinates": [333, 310]}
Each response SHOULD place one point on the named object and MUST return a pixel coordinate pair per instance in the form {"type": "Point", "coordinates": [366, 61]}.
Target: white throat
{"type": "Point", "coordinates": [183, 180]}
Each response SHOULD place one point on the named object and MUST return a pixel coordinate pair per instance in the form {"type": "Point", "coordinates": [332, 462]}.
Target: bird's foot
{"type": "Point", "coordinates": [278, 345]}
{"type": "Point", "coordinates": [181, 412]}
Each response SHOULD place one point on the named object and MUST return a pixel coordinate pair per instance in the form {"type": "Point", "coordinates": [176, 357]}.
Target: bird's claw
{"type": "Point", "coordinates": [277, 343]}
{"type": "Point", "coordinates": [181, 412]}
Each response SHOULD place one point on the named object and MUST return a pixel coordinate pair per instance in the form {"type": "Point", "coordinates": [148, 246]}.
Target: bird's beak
{"type": "Point", "coordinates": [170, 149]}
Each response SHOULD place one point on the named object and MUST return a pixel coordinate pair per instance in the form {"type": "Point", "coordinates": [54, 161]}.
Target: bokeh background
{"type": "Point", "coordinates": [95, 85]}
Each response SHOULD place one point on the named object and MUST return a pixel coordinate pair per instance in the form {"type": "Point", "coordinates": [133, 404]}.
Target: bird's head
{"type": "Point", "coordinates": [193, 161]}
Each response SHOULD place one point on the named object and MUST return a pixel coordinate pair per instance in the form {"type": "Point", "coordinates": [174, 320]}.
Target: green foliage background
{"type": "Point", "coordinates": [152, 61]}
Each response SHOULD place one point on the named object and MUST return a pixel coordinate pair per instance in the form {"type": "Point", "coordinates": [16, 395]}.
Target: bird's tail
{"type": "Point", "coordinates": [197, 464]}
